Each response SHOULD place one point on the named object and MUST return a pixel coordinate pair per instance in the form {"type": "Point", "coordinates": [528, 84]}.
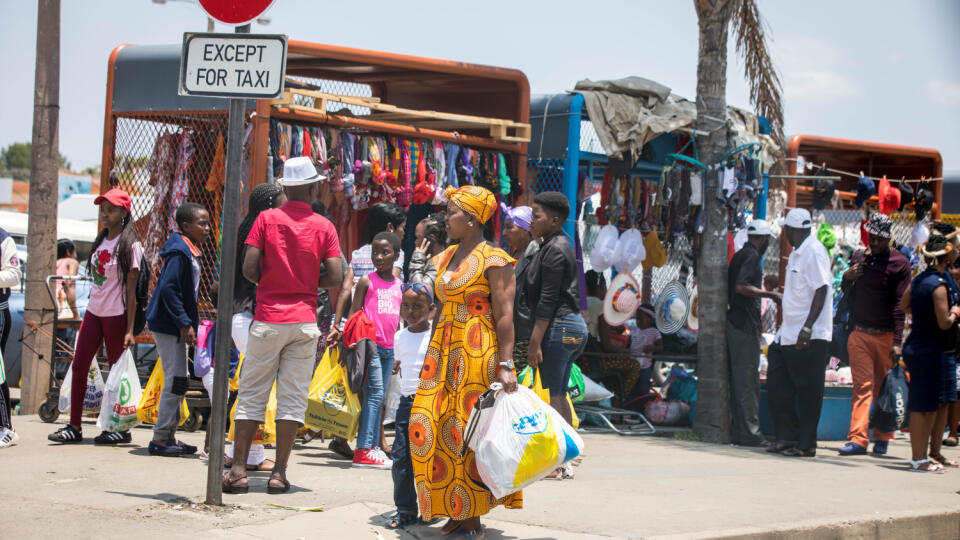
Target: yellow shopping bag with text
{"type": "Point", "coordinates": [332, 407]}
{"type": "Point", "coordinates": [267, 431]}
{"type": "Point", "coordinates": [149, 405]}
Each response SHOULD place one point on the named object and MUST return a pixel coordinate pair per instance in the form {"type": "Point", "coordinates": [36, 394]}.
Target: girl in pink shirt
{"type": "Point", "coordinates": [378, 295]}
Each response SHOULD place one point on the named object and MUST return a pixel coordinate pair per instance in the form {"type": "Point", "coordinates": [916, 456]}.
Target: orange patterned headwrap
{"type": "Point", "coordinates": [474, 200]}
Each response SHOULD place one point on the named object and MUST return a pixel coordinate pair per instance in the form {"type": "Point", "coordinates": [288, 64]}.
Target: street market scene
{"type": "Point", "coordinates": [489, 274]}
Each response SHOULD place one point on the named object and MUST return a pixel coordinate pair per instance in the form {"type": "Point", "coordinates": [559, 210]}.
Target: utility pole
{"type": "Point", "coordinates": [42, 225]}
{"type": "Point", "coordinates": [228, 266]}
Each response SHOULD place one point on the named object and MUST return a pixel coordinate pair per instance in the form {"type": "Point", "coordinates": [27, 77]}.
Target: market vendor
{"type": "Point", "coordinates": [743, 333]}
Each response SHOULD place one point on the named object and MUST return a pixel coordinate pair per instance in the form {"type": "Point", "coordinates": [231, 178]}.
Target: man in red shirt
{"type": "Point", "coordinates": [291, 253]}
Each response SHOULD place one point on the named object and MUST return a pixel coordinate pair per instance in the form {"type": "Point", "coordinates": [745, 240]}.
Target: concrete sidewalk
{"type": "Point", "coordinates": [639, 487]}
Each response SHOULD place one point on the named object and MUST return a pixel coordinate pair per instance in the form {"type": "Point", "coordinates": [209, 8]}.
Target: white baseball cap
{"type": "Point", "coordinates": [299, 171]}
{"type": "Point", "coordinates": [759, 227]}
{"type": "Point", "coordinates": [798, 218]}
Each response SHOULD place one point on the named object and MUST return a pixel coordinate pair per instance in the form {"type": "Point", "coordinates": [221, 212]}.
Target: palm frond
{"type": "Point", "coordinates": [766, 91]}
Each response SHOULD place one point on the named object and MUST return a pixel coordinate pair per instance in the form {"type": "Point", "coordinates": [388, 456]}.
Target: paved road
{"type": "Point", "coordinates": [637, 487]}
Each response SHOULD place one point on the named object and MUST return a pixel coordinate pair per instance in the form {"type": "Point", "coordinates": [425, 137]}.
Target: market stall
{"type": "Point", "coordinates": [626, 151]}
{"type": "Point", "coordinates": [381, 126]}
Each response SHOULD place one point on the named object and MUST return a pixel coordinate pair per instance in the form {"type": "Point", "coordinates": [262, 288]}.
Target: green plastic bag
{"type": "Point", "coordinates": [575, 388]}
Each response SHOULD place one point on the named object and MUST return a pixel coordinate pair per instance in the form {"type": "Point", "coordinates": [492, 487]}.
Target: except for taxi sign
{"type": "Point", "coordinates": [233, 65]}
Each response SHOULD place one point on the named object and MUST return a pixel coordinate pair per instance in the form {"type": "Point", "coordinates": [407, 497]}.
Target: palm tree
{"type": "Point", "coordinates": [715, 17]}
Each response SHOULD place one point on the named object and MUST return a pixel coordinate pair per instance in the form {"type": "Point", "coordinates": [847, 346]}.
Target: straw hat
{"type": "Point", "coordinates": [621, 300]}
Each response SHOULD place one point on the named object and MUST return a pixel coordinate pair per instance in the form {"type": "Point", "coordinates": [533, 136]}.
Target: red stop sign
{"type": "Point", "coordinates": [235, 11]}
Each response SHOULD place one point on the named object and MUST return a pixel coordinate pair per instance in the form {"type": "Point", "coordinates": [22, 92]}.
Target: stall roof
{"type": "Point", "coordinates": [144, 78]}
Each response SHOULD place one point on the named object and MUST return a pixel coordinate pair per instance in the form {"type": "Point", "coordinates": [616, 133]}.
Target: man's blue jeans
{"type": "Point", "coordinates": [374, 388]}
{"type": "Point", "coordinates": [404, 492]}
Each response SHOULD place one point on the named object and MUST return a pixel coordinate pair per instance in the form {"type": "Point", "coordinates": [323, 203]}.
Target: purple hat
{"type": "Point", "coordinates": [521, 216]}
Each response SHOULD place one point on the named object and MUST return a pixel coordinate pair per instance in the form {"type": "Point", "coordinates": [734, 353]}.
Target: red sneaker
{"type": "Point", "coordinates": [371, 459]}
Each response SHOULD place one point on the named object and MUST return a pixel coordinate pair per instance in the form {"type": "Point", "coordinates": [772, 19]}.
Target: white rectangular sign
{"type": "Point", "coordinates": [233, 65]}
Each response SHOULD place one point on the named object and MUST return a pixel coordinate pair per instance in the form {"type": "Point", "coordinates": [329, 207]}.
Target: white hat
{"type": "Point", "coordinates": [759, 227]}
{"type": "Point", "coordinates": [798, 218]}
{"type": "Point", "coordinates": [299, 171]}
{"type": "Point", "coordinates": [672, 307]}
{"type": "Point", "coordinates": [622, 299]}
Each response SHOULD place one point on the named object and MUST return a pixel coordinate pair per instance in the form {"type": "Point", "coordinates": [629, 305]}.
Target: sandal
{"type": "Point", "coordinates": [450, 527]}
{"type": "Point", "coordinates": [238, 484]}
{"type": "Point", "coordinates": [950, 441]}
{"type": "Point", "coordinates": [926, 466]}
{"type": "Point", "coordinates": [264, 466]}
{"type": "Point", "coordinates": [479, 533]}
{"type": "Point", "coordinates": [777, 448]}
{"type": "Point", "coordinates": [274, 489]}
{"type": "Point", "coordinates": [399, 521]}
{"type": "Point", "coordinates": [341, 448]}
{"type": "Point", "coordinates": [942, 460]}
{"type": "Point", "coordinates": [312, 434]}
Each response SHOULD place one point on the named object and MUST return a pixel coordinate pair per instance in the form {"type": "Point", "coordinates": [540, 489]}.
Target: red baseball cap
{"type": "Point", "coordinates": [117, 197]}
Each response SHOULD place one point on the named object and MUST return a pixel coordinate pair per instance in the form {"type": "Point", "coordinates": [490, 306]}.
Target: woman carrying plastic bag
{"type": "Point", "coordinates": [519, 439]}
{"type": "Point", "coordinates": [121, 396]}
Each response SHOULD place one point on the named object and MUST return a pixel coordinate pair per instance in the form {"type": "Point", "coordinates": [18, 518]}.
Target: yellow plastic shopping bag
{"type": "Point", "coordinates": [544, 394]}
{"type": "Point", "coordinates": [267, 431]}
{"type": "Point", "coordinates": [332, 407]}
{"type": "Point", "coordinates": [149, 405]}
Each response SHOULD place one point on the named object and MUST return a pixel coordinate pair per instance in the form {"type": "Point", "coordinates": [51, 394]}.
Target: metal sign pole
{"type": "Point", "coordinates": [228, 263]}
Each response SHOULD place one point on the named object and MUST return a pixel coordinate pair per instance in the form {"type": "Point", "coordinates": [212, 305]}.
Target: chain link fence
{"type": "Point", "coordinates": [164, 160]}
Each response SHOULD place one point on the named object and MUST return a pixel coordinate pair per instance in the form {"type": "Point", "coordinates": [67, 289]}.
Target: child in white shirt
{"type": "Point", "coordinates": [410, 350]}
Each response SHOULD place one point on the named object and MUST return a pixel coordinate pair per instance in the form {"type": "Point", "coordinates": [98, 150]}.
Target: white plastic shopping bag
{"type": "Point", "coordinates": [391, 400]}
{"type": "Point", "coordinates": [121, 396]}
{"type": "Point", "coordinates": [521, 441]}
{"type": "Point", "coordinates": [91, 398]}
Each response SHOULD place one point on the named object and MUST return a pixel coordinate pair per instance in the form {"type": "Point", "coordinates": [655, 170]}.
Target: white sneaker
{"type": "Point", "coordinates": [383, 456]}
{"type": "Point", "coordinates": [8, 437]}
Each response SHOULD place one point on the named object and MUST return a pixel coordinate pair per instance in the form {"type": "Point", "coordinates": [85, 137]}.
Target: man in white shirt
{"type": "Point", "coordinates": [799, 354]}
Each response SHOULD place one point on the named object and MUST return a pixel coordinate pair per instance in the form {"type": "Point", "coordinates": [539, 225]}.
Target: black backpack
{"type": "Point", "coordinates": [143, 296]}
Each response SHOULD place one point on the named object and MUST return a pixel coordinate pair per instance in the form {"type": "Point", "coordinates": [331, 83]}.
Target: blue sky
{"type": "Point", "coordinates": [885, 71]}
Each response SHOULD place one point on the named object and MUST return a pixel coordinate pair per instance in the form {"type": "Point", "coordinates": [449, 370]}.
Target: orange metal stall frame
{"type": "Point", "coordinates": [142, 104]}
{"type": "Point", "coordinates": [872, 159]}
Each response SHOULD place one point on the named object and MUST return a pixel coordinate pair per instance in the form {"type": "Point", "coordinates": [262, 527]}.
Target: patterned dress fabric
{"type": "Point", "coordinates": [461, 362]}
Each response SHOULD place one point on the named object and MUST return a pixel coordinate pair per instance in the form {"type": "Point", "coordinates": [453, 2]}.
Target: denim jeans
{"type": "Point", "coordinates": [374, 388]}
{"type": "Point", "coordinates": [563, 343]}
{"type": "Point", "coordinates": [404, 493]}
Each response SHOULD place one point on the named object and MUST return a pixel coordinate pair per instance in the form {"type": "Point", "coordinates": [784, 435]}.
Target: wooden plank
{"type": "Point", "coordinates": [500, 129]}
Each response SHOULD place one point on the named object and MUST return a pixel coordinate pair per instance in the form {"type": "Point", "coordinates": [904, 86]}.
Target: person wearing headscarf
{"type": "Point", "coordinates": [875, 285]}
{"type": "Point", "coordinates": [520, 245]}
{"type": "Point", "coordinates": [471, 348]}
{"type": "Point", "coordinates": [930, 352]}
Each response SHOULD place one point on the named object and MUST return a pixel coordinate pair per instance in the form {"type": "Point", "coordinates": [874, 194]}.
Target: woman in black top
{"type": "Point", "coordinates": [551, 284]}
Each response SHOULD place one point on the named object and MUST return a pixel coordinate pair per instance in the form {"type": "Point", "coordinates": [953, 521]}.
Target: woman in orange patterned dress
{"type": "Point", "coordinates": [471, 348]}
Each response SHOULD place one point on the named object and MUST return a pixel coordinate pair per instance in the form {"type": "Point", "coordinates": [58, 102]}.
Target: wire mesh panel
{"type": "Point", "coordinates": [342, 88]}
{"type": "Point", "coordinates": [542, 175]}
{"type": "Point", "coordinates": [164, 160]}
{"type": "Point", "coordinates": [589, 141]}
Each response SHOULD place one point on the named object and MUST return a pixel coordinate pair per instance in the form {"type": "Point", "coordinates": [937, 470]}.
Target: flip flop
{"type": "Point", "coordinates": [796, 452]}
{"type": "Point", "coordinates": [274, 490]}
{"type": "Point", "coordinates": [931, 467]}
{"type": "Point", "coordinates": [230, 484]}
{"type": "Point", "coordinates": [399, 521]}
{"type": "Point", "coordinates": [950, 441]}
{"type": "Point", "coordinates": [942, 460]}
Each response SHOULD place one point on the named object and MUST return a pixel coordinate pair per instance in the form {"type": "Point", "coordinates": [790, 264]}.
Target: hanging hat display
{"type": "Point", "coordinates": [906, 195]}
{"type": "Point", "coordinates": [672, 307]}
{"type": "Point", "coordinates": [693, 319]}
{"type": "Point", "coordinates": [924, 201]}
{"type": "Point", "coordinates": [656, 254]}
{"type": "Point", "coordinates": [630, 251]}
{"type": "Point", "coordinates": [889, 197]}
{"type": "Point", "coordinates": [622, 299]}
{"type": "Point", "coordinates": [865, 189]}
{"type": "Point", "coordinates": [601, 256]}
{"type": "Point", "coordinates": [823, 191]}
